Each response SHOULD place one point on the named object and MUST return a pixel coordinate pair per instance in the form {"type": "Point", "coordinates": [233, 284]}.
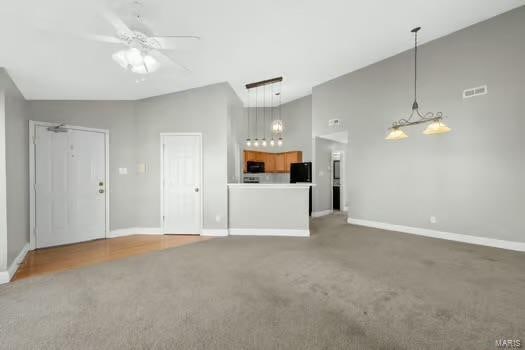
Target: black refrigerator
{"type": "Point", "coordinates": [302, 172]}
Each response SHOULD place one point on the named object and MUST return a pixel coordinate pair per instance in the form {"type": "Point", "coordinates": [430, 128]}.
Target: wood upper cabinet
{"type": "Point", "coordinates": [273, 162]}
{"type": "Point", "coordinates": [269, 162]}
{"type": "Point", "coordinates": [279, 163]}
{"type": "Point", "coordinates": [292, 157]}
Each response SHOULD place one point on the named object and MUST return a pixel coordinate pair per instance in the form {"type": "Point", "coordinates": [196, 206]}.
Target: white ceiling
{"type": "Point", "coordinates": [306, 41]}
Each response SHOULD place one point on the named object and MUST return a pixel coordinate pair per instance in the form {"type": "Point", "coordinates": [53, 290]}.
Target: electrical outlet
{"type": "Point", "coordinates": [433, 220]}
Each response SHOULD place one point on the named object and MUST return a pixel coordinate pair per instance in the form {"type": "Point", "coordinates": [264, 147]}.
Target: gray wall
{"type": "Point", "coordinates": [17, 168]}
{"type": "Point", "coordinates": [119, 118]}
{"type": "Point", "coordinates": [235, 114]}
{"type": "Point", "coordinates": [470, 179]}
{"type": "Point", "coordinates": [134, 128]}
{"type": "Point", "coordinates": [199, 110]}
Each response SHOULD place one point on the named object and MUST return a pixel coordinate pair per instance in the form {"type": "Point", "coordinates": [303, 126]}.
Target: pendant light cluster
{"type": "Point", "coordinates": [261, 113]}
{"type": "Point", "coordinates": [436, 125]}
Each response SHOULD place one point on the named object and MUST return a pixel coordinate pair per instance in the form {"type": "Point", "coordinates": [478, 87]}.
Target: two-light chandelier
{"type": "Point", "coordinates": [269, 109]}
{"type": "Point", "coordinates": [436, 125]}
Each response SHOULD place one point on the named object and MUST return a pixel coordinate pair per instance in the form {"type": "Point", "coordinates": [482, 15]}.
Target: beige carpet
{"type": "Point", "coordinates": [346, 287]}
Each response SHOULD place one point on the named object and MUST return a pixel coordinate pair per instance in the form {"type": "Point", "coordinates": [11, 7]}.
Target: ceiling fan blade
{"type": "Point", "coordinates": [173, 42]}
{"type": "Point", "coordinates": [193, 37]}
{"type": "Point", "coordinates": [103, 38]}
{"type": "Point", "coordinates": [116, 22]}
{"type": "Point", "coordinates": [164, 59]}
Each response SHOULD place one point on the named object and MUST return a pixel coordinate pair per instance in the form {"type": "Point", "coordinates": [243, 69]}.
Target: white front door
{"type": "Point", "coordinates": [181, 184]}
{"type": "Point", "coordinates": [70, 186]}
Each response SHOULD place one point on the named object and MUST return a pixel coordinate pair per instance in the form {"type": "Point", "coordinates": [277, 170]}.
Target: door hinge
{"type": "Point", "coordinates": [163, 218]}
{"type": "Point", "coordinates": [34, 140]}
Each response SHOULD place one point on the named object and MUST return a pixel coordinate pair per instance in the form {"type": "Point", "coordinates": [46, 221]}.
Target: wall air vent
{"type": "Point", "coordinates": [477, 91]}
{"type": "Point", "coordinates": [335, 123]}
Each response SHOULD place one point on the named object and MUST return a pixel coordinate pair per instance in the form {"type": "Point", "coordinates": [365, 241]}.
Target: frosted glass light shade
{"type": "Point", "coordinates": [135, 61]}
{"type": "Point", "coordinates": [248, 142]}
{"type": "Point", "coordinates": [277, 126]}
{"type": "Point", "coordinates": [436, 127]}
{"type": "Point", "coordinates": [280, 142]}
{"type": "Point", "coordinates": [396, 134]}
{"type": "Point", "coordinates": [264, 143]}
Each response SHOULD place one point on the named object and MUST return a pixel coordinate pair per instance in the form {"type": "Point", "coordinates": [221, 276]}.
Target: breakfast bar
{"type": "Point", "coordinates": [280, 209]}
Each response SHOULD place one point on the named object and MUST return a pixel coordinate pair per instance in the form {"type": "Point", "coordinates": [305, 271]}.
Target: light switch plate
{"type": "Point", "coordinates": [123, 171]}
{"type": "Point", "coordinates": [141, 168]}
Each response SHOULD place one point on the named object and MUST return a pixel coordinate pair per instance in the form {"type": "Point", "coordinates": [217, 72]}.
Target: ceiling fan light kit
{"type": "Point", "coordinates": [136, 61]}
{"type": "Point", "coordinates": [436, 126]}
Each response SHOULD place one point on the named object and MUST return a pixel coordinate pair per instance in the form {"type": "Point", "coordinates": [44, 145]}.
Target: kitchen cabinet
{"type": "Point", "coordinates": [273, 162]}
{"type": "Point", "coordinates": [279, 163]}
{"type": "Point", "coordinates": [292, 157]}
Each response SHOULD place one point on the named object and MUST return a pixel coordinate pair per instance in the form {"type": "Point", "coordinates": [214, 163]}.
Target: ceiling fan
{"type": "Point", "coordinates": [144, 53]}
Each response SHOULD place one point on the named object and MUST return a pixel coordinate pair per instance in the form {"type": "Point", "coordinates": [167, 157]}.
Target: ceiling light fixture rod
{"type": "Point", "coordinates": [263, 82]}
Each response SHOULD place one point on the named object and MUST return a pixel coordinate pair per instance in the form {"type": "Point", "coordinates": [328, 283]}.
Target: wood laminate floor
{"type": "Point", "coordinates": [62, 258]}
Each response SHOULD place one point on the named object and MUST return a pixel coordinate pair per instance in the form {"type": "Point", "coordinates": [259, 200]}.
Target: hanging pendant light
{"type": "Point", "coordinates": [437, 126]}
{"type": "Point", "coordinates": [396, 134]}
{"type": "Point", "coordinates": [249, 140]}
{"type": "Point", "coordinates": [275, 127]}
{"type": "Point", "coordinates": [264, 143]}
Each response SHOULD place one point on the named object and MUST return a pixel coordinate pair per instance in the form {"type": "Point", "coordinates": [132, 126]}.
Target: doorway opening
{"type": "Point", "coordinates": [329, 173]}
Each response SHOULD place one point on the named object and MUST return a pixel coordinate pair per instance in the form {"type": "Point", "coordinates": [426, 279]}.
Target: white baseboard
{"type": "Point", "coordinates": [5, 276]}
{"type": "Point", "coordinates": [269, 232]}
{"type": "Point", "coordinates": [135, 231]}
{"type": "Point", "coordinates": [316, 214]}
{"type": "Point", "coordinates": [214, 232]}
{"type": "Point", "coordinates": [490, 242]}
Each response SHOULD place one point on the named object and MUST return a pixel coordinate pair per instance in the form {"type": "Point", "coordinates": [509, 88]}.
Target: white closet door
{"type": "Point", "coordinates": [70, 186]}
{"type": "Point", "coordinates": [181, 175]}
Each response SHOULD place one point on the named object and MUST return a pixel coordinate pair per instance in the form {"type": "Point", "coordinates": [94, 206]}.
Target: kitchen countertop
{"type": "Point", "coordinates": [277, 185]}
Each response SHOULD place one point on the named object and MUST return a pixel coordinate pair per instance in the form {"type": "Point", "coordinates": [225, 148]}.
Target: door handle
{"type": "Point", "coordinates": [196, 189]}
{"type": "Point", "coordinates": [100, 191]}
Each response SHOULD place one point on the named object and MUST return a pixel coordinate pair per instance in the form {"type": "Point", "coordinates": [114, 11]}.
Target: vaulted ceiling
{"type": "Point", "coordinates": [307, 41]}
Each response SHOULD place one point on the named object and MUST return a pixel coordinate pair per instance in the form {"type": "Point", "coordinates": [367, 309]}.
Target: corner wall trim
{"type": "Point", "coordinates": [5, 276]}
{"type": "Point", "coordinates": [269, 232]}
{"type": "Point", "coordinates": [316, 214]}
{"type": "Point", "coordinates": [490, 242]}
{"type": "Point", "coordinates": [215, 232]}
{"type": "Point", "coordinates": [134, 231]}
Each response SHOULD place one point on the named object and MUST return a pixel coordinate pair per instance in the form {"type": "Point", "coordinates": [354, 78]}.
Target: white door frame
{"type": "Point", "coordinates": [32, 203]}
{"type": "Point", "coordinates": [201, 188]}
{"type": "Point", "coordinates": [342, 188]}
